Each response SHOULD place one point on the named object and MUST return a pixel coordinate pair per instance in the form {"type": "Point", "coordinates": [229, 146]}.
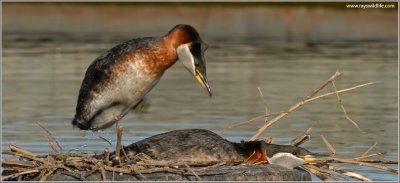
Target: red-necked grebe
{"type": "Point", "coordinates": [119, 79]}
{"type": "Point", "coordinates": [204, 145]}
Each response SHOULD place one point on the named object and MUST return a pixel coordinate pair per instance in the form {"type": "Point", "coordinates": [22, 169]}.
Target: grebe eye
{"type": "Point", "coordinates": [294, 152]}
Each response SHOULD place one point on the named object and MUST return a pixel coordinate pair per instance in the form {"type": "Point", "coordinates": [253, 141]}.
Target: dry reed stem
{"type": "Point", "coordinates": [100, 168]}
{"type": "Point", "coordinates": [339, 91]}
{"type": "Point", "coordinates": [191, 171]}
{"type": "Point", "coordinates": [18, 174]}
{"type": "Point", "coordinates": [316, 172]}
{"type": "Point", "coordinates": [20, 150]}
{"type": "Point", "coordinates": [12, 163]}
{"type": "Point", "coordinates": [300, 103]}
{"type": "Point", "coordinates": [106, 156]}
{"type": "Point", "coordinates": [370, 148]}
{"type": "Point", "coordinates": [45, 176]}
{"type": "Point", "coordinates": [265, 104]}
{"type": "Point", "coordinates": [301, 139]}
{"type": "Point", "coordinates": [334, 176]}
{"type": "Point", "coordinates": [51, 144]}
{"type": "Point", "coordinates": [342, 107]}
{"type": "Point", "coordinates": [120, 129]}
{"type": "Point", "coordinates": [295, 106]}
{"type": "Point", "coordinates": [328, 145]}
{"type": "Point", "coordinates": [51, 136]}
{"type": "Point", "coordinates": [20, 154]}
{"type": "Point", "coordinates": [380, 161]}
{"type": "Point", "coordinates": [368, 156]}
{"type": "Point", "coordinates": [140, 174]}
{"type": "Point", "coordinates": [346, 172]}
{"type": "Point", "coordinates": [340, 160]}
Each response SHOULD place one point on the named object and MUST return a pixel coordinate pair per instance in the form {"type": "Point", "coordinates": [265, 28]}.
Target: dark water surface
{"type": "Point", "coordinates": [42, 74]}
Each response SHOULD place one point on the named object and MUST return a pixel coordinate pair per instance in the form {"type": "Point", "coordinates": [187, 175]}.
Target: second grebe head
{"type": "Point", "coordinates": [191, 52]}
{"type": "Point", "coordinates": [291, 156]}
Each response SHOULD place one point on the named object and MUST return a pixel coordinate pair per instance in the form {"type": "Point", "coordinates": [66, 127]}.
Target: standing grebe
{"type": "Point", "coordinates": [119, 79]}
{"type": "Point", "coordinates": [204, 145]}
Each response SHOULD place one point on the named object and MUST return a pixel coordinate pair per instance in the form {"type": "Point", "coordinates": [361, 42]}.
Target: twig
{"type": "Point", "coordinates": [191, 170]}
{"type": "Point", "coordinates": [339, 91]}
{"type": "Point", "coordinates": [334, 176]}
{"type": "Point", "coordinates": [51, 144]}
{"type": "Point", "coordinates": [342, 107]}
{"type": "Point", "coordinates": [370, 155]}
{"type": "Point", "coordinates": [265, 104]}
{"type": "Point", "coordinates": [12, 163]}
{"type": "Point", "coordinates": [18, 174]}
{"type": "Point", "coordinates": [370, 148]}
{"type": "Point", "coordinates": [328, 145]}
{"type": "Point", "coordinates": [295, 106]}
{"type": "Point", "coordinates": [301, 139]}
{"type": "Point", "coordinates": [45, 176]}
{"type": "Point", "coordinates": [51, 136]}
{"type": "Point", "coordinates": [101, 169]}
{"type": "Point", "coordinates": [380, 161]}
{"type": "Point", "coordinates": [316, 172]}
{"type": "Point", "coordinates": [120, 129]}
{"type": "Point", "coordinates": [140, 174]}
{"type": "Point", "coordinates": [26, 156]}
{"type": "Point", "coordinates": [346, 172]}
{"type": "Point", "coordinates": [20, 150]}
{"type": "Point", "coordinates": [106, 156]}
{"type": "Point", "coordinates": [340, 160]}
{"type": "Point", "coordinates": [300, 103]}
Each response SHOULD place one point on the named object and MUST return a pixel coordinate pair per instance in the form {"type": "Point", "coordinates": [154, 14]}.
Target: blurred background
{"type": "Point", "coordinates": [286, 49]}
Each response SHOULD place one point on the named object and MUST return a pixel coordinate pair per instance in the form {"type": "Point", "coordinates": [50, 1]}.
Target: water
{"type": "Point", "coordinates": [42, 74]}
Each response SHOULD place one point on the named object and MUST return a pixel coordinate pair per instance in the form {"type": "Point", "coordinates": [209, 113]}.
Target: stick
{"type": "Point", "coordinates": [194, 173]}
{"type": "Point", "coordinates": [316, 172]}
{"type": "Point", "coordinates": [15, 148]}
{"type": "Point", "coordinates": [346, 172]}
{"type": "Point", "coordinates": [51, 144]}
{"type": "Point", "coordinates": [26, 156]}
{"type": "Point", "coordinates": [101, 169]}
{"type": "Point", "coordinates": [295, 106]}
{"type": "Point", "coordinates": [339, 160]}
{"type": "Point", "coordinates": [380, 161]}
{"type": "Point", "coordinates": [342, 107]}
{"type": "Point", "coordinates": [339, 91]}
{"type": "Point", "coordinates": [51, 136]}
{"type": "Point", "coordinates": [120, 129]}
{"type": "Point", "coordinates": [106, 156]}
{"type": "Point", "coordinates": [265, 104]}
{"type": "Point", "coordinates": [45, 176]}
{"type": "Point", "coordinates": [370, 148]}
{"type": "Point", "coordinates": [18, 174]}
{"type": "Point", "coordinates": [367, 156]}
{"type": "Point", "coordinates": [301, 139]}
{"type": "Point", "coordinates": [328, 145]}
{"type": "Point", "coordinates": [140, 174]}
{"type": "Point", "coordinates": [300, 103]}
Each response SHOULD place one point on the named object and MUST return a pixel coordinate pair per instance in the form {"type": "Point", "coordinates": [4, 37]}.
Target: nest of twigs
{"type": "Point", "coordinates": [83, 167]}
{"type": "Point", "coordinates": [23, 165]}
{"type": "Point", "coordinates": [28, 166]}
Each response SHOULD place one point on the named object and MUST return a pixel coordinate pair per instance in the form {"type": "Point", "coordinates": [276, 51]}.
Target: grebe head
{"type": "Point", "coordinates": [292, 156]}
{"type": "Point", "coordinates": [190, 51]}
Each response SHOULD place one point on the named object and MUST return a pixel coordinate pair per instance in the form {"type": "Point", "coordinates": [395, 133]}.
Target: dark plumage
{"type": "Point", "coordinates": [118, 80]}
{"type": "Point", "coordinates": [205, 145]}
